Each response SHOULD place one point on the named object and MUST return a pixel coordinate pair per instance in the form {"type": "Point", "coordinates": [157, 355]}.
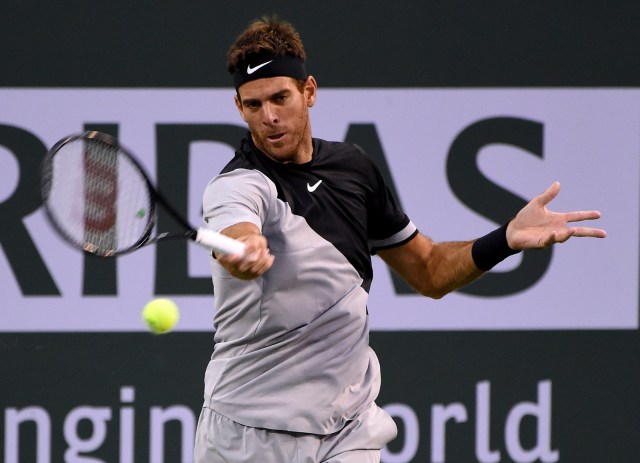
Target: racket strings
{"type": "Point", "coordinates": [98, 197]}
{"type": "Point", "coordinates": [100, 193]}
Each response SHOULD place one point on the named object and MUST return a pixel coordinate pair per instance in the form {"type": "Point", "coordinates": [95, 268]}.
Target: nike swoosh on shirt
{"type": "Point", "coordinates": [313, 187]}
{"type": "Point", "coordinates": [251, 70]}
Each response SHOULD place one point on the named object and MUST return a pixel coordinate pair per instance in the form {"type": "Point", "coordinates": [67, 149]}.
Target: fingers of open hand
{"type": "Point", "coordinates": [564, 235]}
{"type": "Point", "coordinates": [588, 232]}
{"type": "Point", "coordinates": [549, 194]}
{"type": "Point", "coordinates": [585, 232]}
{"type": "Point", "coordinates": [558, 237]}
{"type": "Point", "coordinates": [579, 216]}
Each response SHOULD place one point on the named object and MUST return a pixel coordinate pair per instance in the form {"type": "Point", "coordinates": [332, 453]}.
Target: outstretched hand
{"type": "Point", "coordinates": [537, 227]}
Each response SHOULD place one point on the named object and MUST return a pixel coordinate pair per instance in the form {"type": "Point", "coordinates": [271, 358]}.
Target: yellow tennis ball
{"type": "Point", "coordinates": [161, 315]}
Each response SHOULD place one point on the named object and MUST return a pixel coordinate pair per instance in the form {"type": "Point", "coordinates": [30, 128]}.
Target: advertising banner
{"type": "Point", "coordinates": [461, 162]}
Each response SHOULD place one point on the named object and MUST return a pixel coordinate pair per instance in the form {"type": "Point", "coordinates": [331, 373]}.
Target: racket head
{"type": "Point", "coordinates": [97, 195]}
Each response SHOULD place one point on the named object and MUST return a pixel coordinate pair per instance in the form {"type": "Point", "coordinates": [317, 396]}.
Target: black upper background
{"type": "Point", "coordinates": [441, 43]}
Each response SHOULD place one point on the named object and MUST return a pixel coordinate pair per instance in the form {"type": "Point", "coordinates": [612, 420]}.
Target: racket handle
{"type": "Point", "coordinates": [219, 243]}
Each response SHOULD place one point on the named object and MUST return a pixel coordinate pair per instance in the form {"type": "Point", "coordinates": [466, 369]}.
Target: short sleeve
{"type": "Point", "coordinates": [388, 226]}
{"type": "Point", "coordinates": [241, 195]}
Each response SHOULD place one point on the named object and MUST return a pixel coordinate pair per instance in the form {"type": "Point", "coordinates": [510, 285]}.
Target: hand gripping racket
{"type": "Point", "coordinates": [100, 200]}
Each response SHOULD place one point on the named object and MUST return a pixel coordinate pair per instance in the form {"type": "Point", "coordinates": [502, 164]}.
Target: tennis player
{"type": "Point", "coordinates": [292, 377]}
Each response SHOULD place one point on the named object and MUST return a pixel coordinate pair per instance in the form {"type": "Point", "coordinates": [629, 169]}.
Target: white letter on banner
{"type": "Point", "coordinates": [98, 417]}
{"type": "Point", "coordinates": [159, 417]}
{"type": "Point", "coordinates": [12, 420]}
{"type": "Point", "coordinates": [440, 414]}
{"type": "Point", "coordinates": [483, 424]}
{"type": "Point", "coordinates": [542, 412]}
{"type": "Point", "coordinates": [127, 427]}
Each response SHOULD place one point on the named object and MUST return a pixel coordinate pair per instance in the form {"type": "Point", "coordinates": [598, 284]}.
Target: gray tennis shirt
{"type": "Point", "coordinates": [291, 347]}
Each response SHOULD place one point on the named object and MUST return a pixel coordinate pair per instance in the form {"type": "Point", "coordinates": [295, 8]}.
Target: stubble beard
{"type": "Point", "coordinates": [295, 154]}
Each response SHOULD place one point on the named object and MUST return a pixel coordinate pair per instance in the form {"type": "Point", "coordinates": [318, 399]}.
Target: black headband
{"type": "Point", "coordinates": [265, 64]}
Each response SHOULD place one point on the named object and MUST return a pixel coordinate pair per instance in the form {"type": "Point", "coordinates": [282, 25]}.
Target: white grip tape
{"type": "Point", "coordinates": [218, 242]}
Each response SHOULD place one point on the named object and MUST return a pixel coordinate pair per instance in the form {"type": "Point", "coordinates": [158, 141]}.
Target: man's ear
{"type": "Point", "coordinates": [310, 90]}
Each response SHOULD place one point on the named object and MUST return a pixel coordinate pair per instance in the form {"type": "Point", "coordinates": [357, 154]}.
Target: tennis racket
{"type": "Point", "coordinates": [100, 200]}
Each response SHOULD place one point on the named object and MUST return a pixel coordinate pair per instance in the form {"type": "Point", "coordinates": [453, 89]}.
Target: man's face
{"type": "Point", "coordinates": [277, 114]}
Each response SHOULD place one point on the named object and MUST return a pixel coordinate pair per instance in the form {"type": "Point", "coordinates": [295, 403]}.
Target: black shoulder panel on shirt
{"type": "Point", "coordinates": [340, 194]}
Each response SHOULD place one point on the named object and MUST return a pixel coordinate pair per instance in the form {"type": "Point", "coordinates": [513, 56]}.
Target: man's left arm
{"type": "Point", "coordinates": [435, 269]}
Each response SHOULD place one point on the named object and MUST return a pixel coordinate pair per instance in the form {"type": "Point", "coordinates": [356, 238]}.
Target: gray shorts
{"type": "Point", "coordinates": [221, 440]}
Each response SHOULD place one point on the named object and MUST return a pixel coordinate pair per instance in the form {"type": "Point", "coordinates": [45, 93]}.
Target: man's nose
{"type": "Point", "coordinates": [270, 114]}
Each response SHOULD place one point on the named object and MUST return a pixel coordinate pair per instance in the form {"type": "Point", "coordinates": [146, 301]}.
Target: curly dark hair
{"type": "Point", "coordinates": [269, 34]}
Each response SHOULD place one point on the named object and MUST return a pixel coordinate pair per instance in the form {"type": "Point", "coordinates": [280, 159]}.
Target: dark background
{"type": "Point", "coordinates": [594, 374]}
{"type": "Point", "coordinates": [403, 43]}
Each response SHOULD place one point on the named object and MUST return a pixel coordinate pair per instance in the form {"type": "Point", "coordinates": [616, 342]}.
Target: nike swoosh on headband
{"type": "Point", "coordinates": [251, 70]}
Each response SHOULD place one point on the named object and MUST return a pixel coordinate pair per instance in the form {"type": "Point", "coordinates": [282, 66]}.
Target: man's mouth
{"type": "Point", "coordinates": [275, 137]}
